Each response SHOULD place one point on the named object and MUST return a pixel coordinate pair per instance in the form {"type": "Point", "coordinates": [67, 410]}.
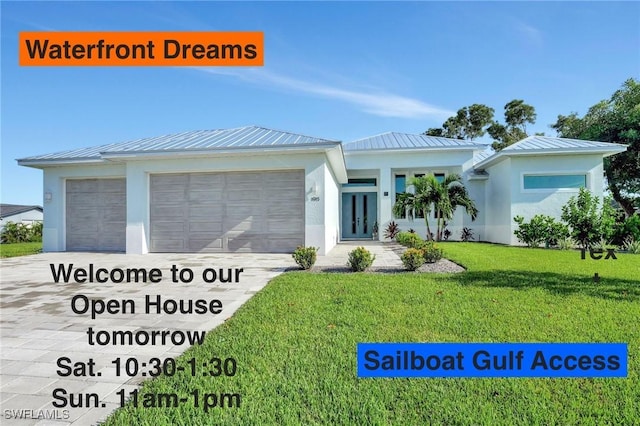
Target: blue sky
{"type": "Point", "coordinates": [332, 69]}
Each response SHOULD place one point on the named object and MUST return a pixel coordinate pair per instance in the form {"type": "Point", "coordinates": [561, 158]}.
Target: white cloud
{"type": "Point", "coordinates": [377, 103]}
{"type": "Point", "coordinates": [531, 34]}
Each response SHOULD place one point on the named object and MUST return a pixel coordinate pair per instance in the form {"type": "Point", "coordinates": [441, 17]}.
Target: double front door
{"type": "Point", "coordinates": [359, 214]}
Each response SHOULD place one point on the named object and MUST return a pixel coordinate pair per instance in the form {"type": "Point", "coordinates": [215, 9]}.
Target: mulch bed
{"type": "Point", "coordinates": [441, 266]}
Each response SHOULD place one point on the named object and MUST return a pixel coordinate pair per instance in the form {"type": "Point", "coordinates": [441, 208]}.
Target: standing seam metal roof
{"type": "Point", "coordinates": [547, 145]}
{"type": "Point", "coordinates": [242, 137]}
{"type": "Point", "coordinates": [545, 142]}
{"type": "Point", "coordinates": [11, 209]}
{"type": "Point", "coordinates": [395, 140]}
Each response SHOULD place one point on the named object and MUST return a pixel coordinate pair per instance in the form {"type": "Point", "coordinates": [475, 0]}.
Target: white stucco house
{"type": "Point", "coordinates": [18, 213]}
{"type": "Point", "coordinates": [263, 190]}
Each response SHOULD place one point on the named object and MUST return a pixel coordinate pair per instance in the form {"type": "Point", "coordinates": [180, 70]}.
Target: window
{"type": "Point", "coordinates": [440, 178]}
{"type": "Point", "coordinates": [401, 187]}
{"type": "Point", "coordinates": [554, 181]}
{"type": "Point", "coordinates": [356, 182]}
{"type": "Point", "coordinates": [419, 214]}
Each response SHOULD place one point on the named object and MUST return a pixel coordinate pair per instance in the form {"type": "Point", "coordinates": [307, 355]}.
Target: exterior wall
{"type": "Point", "coordinates": [406, 159]}
{"type": "Point", "coordinates": [477, 193]}
{"type": "Point", "coordinates": [331, 196]}
{"type": "Point", "coordinates": [53, 232]}
{"type": "Point", "coordinates": [528, 203]}
{"type": "Point", "coordinates": [386, 165]}
{"type": "Point", "coordinates": [498, 217]}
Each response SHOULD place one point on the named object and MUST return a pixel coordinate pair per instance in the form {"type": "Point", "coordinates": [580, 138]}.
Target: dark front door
{"type": "Point", "coordinates": [359, 214]}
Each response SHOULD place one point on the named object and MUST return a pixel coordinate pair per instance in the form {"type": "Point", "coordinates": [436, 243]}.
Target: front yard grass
{"type": "Point", "coordinates": [20, 249]}
{"type": "Point", "coordinates": [295, 344]}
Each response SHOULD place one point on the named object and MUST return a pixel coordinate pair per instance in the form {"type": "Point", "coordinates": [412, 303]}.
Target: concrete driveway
{"type": "Point", "coordinates": [39, 325]}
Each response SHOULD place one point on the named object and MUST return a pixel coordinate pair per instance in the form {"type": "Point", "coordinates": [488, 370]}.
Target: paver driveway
{"type": "Point", "coordinates": [38, 325]}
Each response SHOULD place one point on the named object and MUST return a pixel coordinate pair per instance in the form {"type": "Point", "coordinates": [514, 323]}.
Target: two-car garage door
{"type": "Point", "coordinates": [227, 211]}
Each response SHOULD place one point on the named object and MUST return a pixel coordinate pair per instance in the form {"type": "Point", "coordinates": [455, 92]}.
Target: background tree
{"type": "Point", "coordinates": [516, 116]}
{"type": "Point", "coordinates": [474, 121]}
{"type": "Point", "coordinates": [435, 131]}
{"type": "Point", "coordinates": [468, 123]}
{"type": "Point", "coordinates": [614, 120]}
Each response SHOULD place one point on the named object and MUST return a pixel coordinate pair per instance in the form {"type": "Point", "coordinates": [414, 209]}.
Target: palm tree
{"type": "Point", "coordinates": [430, 194]}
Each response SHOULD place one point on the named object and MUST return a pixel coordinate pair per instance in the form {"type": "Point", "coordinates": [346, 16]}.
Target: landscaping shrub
{"type": "Point", "coordinates": [466, 234]}
{"type": "Point", "coordinates": [431, 252]}
{"type": "Point", "coordinates": [305, 257]}
{"type": "Point", "coordinates": [412, 259]}
{"type": "Point", "coordinates": [360, 259]}
{"type": "Point", "coordinates": [21, 233]}
{"type": "Point", "coordinates": [541, 229]}
{"type": "Point", "coordinates": [632, 246]}
{"type": "Point", "coordinates": [567, 243]}
{"type": "Point", "coordinates": [589, 223]}
{"type": "Point", "coordinates": [409, 239]}
{"type": "Point", "coordinates": [391, 230]}
{"type": "Point", "coordinates": [626, 229]}
{"type": "Point", "coordinates": [603, 245]}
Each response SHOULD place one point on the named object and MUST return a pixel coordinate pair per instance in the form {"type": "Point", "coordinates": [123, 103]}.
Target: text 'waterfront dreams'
{"type": "Point", "coordinates": [141, 48]}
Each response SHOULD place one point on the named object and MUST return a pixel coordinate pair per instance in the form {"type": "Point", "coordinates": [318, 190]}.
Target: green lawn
{"type": "Point", "coordinates": [295, 345]}
{"type": "Point", "coordinates": [20, 249]}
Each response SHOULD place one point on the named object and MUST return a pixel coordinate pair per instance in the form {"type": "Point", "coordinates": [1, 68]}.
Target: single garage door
{"type": "Point", "coordinates": [227, 212]}
{"type": "Point", "coordinates": [96, 214]}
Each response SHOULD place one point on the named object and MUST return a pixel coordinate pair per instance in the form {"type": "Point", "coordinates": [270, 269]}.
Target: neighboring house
{"type": "Point", "coordinates": [19, 214]}
{"type": "Point", "coordinates": [263, 190]}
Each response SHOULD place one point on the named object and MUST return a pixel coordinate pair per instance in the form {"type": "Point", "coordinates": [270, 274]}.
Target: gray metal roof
{"type": "Point", "coordinates": [545, 142]}
{"type": "Point", "coordinates": [479, 156]}
{"type": "Point", "coordinates": [11, 209]}
{"type": "Point", "coordinates": [199, 140]}
{"type": "Point", "coordinates": [540, 145]}
{"type": "Point", "coordinates": [394, 140]}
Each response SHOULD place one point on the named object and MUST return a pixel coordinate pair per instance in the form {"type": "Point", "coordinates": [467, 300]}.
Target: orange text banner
{"type": "Point", "coordinates": [90, 48]}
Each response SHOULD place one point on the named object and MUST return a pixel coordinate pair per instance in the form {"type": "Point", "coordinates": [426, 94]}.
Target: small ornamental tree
{"type": "Point", "coordinates": [589, 224]}
{"type": "Point", "coordinates": [430, 195]}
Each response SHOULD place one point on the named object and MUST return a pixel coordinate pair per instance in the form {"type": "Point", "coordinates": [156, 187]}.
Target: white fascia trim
{"type": "Point", "coordinates": [337, 163]}
{"type": "Point", "coordinates": [478, 177]}
{"type": "Point", "coordinates": [41, 164]}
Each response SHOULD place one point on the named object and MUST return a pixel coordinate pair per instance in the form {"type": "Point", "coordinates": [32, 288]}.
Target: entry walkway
{"type": "Point", "coordinates": [386, 257]}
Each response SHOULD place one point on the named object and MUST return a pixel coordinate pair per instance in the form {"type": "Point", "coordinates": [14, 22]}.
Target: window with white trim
{"type": "Point", "coordinates": [557, 181]}
{"type": "Point", "coordinates": [400, 188]}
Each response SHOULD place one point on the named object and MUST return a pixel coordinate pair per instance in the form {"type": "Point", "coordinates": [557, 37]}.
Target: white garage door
{"type": "Point", "coordinates": [227, 212]}
{"type": "Point", "coordinates": [96, 214]}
